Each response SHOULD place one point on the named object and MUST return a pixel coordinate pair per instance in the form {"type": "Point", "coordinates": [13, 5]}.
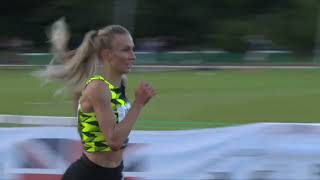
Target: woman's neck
{"type": "Point", "coordinates": [113, 78]}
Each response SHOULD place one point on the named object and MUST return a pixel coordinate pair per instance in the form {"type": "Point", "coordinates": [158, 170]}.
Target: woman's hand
{"type": "Point", "coordinates": [144, 93]}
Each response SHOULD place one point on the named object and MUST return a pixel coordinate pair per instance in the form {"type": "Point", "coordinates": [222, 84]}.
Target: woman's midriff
{"type": "Point", "coordinates": [106, 159]}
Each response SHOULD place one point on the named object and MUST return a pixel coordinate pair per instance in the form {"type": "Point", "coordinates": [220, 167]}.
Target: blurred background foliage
{"type": "Point", "coordinates": [189, 25]}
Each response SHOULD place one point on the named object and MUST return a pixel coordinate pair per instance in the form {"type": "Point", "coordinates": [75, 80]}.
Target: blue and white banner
{"type": "Point", "coordinates": [256, 151]}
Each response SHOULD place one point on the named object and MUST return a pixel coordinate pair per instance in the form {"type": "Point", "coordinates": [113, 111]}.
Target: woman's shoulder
{"type": "Point", "coordinates": [96, 89]}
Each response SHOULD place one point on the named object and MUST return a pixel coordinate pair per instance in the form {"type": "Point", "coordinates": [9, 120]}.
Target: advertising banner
{"type": "Point", "coordinates": [255, 151]}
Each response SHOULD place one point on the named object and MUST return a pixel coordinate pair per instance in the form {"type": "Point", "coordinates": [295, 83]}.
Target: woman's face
{"type": "Point", "coordinates": [122, 55]}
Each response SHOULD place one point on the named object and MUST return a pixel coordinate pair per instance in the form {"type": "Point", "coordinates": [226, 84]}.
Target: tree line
{"type": "Point", "coordinates": [205, 24]}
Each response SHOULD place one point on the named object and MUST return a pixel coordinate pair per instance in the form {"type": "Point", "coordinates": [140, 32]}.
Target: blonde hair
{"type": "Point", "coordinates": [74, 67]}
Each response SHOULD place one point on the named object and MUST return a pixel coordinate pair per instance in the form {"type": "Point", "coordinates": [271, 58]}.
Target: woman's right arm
{"type": "Point", "coordinates": [99, 96]}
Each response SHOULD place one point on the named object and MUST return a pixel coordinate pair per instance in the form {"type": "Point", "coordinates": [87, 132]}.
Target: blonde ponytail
{"type": "Point", "coordinates": [72, 68]}
{"type": "Point", "coordinates": [59, 37]}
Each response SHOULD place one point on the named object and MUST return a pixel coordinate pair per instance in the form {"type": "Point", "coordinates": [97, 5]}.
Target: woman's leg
{"type": "Point", "coordinates": [76, 171]}
{"type": "Point", "coordinates": [84, 169]}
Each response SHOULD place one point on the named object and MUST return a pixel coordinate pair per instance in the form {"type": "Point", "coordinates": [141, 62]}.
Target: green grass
{"type": "Point", "coordinates": [190, 99]}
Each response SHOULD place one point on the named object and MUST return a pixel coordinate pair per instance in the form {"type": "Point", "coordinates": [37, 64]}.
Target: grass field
{"type": "Point", "coordinates": [187, 99]}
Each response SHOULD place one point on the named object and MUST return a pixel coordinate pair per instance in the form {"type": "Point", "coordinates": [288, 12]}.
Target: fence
{"type": "Point", "coordinates": [185, 58]}
{"type": "Point", "coordinates": [254, 151]}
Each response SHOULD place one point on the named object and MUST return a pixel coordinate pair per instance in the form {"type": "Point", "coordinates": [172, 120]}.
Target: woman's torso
{"type": "Point", "coordinates": [96, 148]}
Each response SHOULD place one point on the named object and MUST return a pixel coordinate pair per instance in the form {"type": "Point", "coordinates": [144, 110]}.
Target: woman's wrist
{"type": "Point", "coordinates": [137, 104]}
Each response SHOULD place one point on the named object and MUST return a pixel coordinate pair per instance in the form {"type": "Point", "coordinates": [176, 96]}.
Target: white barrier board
{"type": "Point", "coordinates": [256, 151]}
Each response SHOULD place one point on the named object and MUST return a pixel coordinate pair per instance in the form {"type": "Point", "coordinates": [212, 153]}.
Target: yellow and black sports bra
{"type": "Point", "coordinates": [91, 136]}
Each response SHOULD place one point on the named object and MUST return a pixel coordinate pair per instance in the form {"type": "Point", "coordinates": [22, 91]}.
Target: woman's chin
{"type": "Point", "coordinates": [126, 71]}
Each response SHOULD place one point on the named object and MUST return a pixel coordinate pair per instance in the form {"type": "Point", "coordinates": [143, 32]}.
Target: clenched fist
{"type": "Point", "coordinates": [144, 93]}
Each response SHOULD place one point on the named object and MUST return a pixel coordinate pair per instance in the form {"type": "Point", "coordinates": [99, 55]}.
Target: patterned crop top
{"type": "Point", "coordinates": [91, 136]}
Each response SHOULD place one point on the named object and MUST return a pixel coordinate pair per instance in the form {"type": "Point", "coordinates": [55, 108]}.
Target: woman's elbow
{"type": "Point", "coordinates": [115, 146]}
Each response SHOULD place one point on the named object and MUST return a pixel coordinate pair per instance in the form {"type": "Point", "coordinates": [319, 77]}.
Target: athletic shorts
{"type": "Point", "coordinates": [84, 169]}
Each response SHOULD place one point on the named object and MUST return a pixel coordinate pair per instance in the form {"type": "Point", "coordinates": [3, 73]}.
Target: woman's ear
{"type": "Point", "coordinates": [105, 54]}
